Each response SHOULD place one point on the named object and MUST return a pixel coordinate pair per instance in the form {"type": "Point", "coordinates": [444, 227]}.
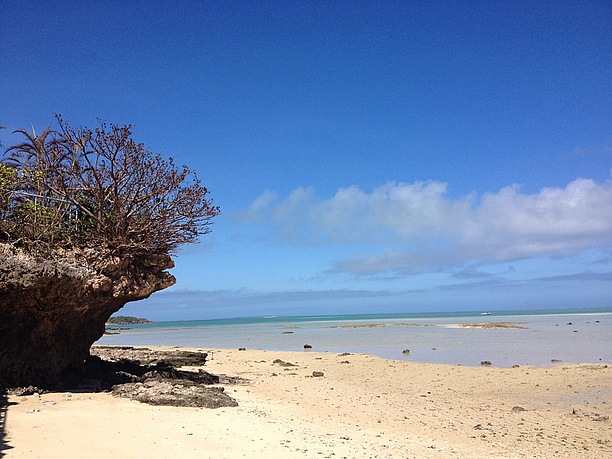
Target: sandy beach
{"type": "Point", "coordinates": [329, 405]}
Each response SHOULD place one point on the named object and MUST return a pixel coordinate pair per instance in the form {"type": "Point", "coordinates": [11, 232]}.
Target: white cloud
{"type": "Point", "coordinates": [258, 208]}
{"type": "Point", "coordinates": [551, 222]}
{"type": "Point", "coordinates": [417, 226]}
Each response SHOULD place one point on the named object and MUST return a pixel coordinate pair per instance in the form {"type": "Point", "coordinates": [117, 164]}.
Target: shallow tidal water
{"type": "Point", "coordinates": [577, 336]}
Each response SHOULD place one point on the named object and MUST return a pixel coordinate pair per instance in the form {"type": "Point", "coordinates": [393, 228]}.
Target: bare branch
{"type": "Point", "coordinates": [83, 186]}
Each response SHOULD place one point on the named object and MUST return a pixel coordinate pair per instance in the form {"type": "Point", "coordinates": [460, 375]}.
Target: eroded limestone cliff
{"type": "Point", "coordinates": [53, 308]}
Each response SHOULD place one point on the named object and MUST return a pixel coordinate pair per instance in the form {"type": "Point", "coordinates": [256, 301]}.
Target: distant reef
{"type": "Point", "coordinates": [127, 320]}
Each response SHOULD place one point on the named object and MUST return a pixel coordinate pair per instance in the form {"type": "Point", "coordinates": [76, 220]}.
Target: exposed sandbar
{"type": "Point", "coordinates": [498, 325]}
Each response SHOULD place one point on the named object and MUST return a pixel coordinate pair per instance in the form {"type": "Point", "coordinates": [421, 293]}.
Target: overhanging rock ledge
{"type": "Point", "coordinates": [53, 308]}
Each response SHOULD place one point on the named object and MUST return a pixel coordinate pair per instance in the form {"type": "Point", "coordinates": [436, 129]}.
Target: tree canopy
{"type": "Point", "coordinates": [89, 187]}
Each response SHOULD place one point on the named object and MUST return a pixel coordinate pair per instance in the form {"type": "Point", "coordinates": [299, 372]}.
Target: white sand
{"type": "Point", "coordinates": [362, 407]}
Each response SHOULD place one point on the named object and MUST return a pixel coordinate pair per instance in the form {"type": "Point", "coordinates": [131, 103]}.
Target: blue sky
{"type": "Point", "coordinates": [367, 156]}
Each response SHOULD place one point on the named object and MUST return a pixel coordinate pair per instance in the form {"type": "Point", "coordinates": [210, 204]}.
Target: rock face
{"type": "Point", "coordinates": [53, 309]}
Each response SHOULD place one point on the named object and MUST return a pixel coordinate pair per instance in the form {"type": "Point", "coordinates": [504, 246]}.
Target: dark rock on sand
{"type": "Point", "coordinates": [153, 377]}
{"type": "Point", "coordinates": [169, 393]}
{"type": "Point", "coordinates": [126, 365]}
{"type": "Point", "coordinates": [146, 375]}
{"type": "Point", "coordinates": [282, 363]}
{"type": "Point", "coordinates": [21, 391]}
{"type": "Point", "coordinates": [485, 363]}
{"type": "Point", "coordinates": [145, 356]}
{"type": "Point", "coordinates": [307, 346]}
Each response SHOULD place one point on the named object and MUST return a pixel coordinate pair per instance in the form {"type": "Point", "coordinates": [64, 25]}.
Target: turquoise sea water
{"type": "Point", "coordinates": [572, 336]}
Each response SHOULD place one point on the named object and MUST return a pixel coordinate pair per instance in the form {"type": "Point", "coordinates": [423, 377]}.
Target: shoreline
{"type": "Point", "coordinates": [334, 405]}
{"type": "Point", "coordinates": [503, 340]}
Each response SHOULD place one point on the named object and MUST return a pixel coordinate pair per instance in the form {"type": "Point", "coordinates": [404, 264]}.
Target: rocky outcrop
{"type": "Point", "coordinates": [53, 308]}
{"type": "Point", "coordinates": [156, 377]}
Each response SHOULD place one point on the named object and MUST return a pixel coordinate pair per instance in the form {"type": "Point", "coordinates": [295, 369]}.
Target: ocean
{"type": "Point", "coordinates": [539, 338]}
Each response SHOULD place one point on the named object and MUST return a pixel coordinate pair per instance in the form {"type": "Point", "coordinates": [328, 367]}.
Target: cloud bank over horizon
{"type": "Point", "coordinates": [409, 228]}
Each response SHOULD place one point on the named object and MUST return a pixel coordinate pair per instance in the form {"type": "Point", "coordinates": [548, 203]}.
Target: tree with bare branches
{"type": "Point", "coordinates": [83, 186]}
{"type": "Point", "coordinates": [89, 219]}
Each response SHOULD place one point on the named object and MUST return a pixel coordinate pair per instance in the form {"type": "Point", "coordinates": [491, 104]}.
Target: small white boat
{"type": "Point", "coordinates": [485, 313]}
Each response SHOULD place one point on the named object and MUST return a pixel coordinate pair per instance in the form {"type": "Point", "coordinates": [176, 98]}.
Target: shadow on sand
{"type": "Point", "coordinates": [99, 374]}
{"type": "Point", "coordinates": [3, 411]}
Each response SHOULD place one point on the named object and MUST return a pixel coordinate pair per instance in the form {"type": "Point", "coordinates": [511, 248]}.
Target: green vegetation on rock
{"type": "Point", "coordinates": [127, 320]}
